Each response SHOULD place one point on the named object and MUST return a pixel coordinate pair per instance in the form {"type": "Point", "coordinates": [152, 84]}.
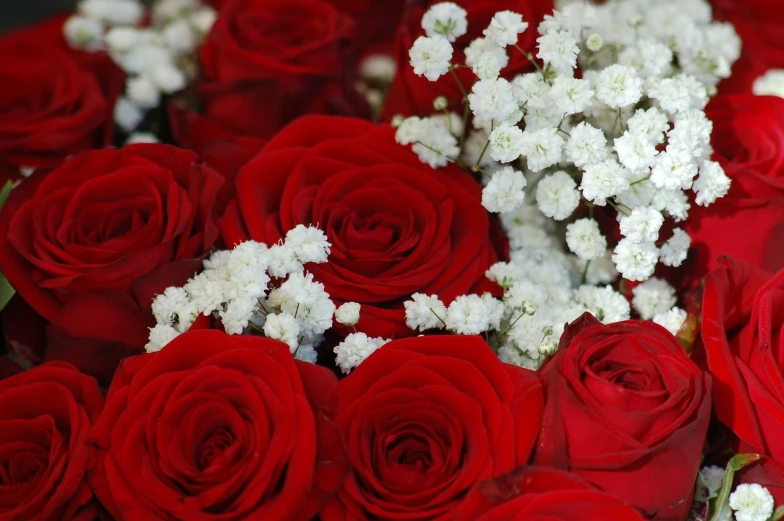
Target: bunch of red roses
{"type": "Point", "coordinates": [274, 134]}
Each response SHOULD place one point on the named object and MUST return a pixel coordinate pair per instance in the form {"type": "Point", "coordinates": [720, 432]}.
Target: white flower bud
{"type": "Point", "coordinates": [348, 314]}
{"type": "Point", "coordinates": [751, 502]}
{"type": "Point", "coordinates": [440, 103]}
{"type": "Point", "coordinates": [127, 114]}
{"type": "Point", "coordinates": [121, 39]}
{"type": "Point", "coordinates": [143, 92]}
{"type": "Point", "coordinates": [168, 78]}
{"type": "Point", "coordinates": [83, 33]}
{"type": "Point", "coordinates": [594, 42]}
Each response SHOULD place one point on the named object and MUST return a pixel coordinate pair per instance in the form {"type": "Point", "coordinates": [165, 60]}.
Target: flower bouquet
{"type": "Point", "coordinates": [355, 260]}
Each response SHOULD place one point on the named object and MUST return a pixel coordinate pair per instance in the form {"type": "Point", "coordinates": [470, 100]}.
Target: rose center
{"type": "Point", "coordinates": [634, 378]}
{"type": "Point", "coordinates": [22, 468]}
{"type": "Point", "coordinates": [218, 450]}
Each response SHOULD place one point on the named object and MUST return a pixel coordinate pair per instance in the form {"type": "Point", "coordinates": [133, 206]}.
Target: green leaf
{"type": "Point", "coordinates": [6, 291]}
{"type": "Point", "coordinates": [5, 192]}
{"type": "Point", "coordinates": [734, 465]}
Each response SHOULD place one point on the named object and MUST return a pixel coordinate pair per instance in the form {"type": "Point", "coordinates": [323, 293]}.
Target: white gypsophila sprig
{"type": "Point", "coordinates": [504, 28]}
{"type": "Point", "coordinates": [348, 313]}
{"type": "Point", "coordinates": [430, 56]}
{"type": "Point", "coordinates": [652, 297]}
{"type": "Point", "coordinates": [585, 239]}
{"type": "Point", "coordinates": [557, 195]}
{"type": "Point", "coordinates": [445, 19]}
{"type": "Point", "coordinates": [751, 502]}
{"type": "Point", "coordinates": [425, 312]}
{"type": "Point", "coordinates": [504, 192]}
{"type": "Point", "coordinates": [355, 349]}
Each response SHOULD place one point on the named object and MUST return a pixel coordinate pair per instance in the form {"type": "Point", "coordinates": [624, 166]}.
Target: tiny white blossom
{"type": "Point", "coordinates": [468, 315]}
{"type": "Point", "coordinates": [113, 12]}
{"type": "Point", "coordinates": [603, 180]}
{"type": "Point", "coordinates": [142, 137]}
{"type": "Point", "coordinates": [712, 477]}
{"type": "Point", "coordinates": [237, 313]}
{"type": "Point", "coordinates": [571, 95]}
{"type": "Point", "coordinates": [83, 33]}
{"type": "Point", "coordinates": [445, 19]}
{"type": "Point", "coordinates": [642, 224]}
{"type": "Point", "coordinates": [674, 202]}
{"type": "Point", "coordinates": [651, 123]}
{"type": "Point", "coordinates": [619, 86]}
{"type": "Point", "coordinates": [506, 144]}
{"type": "Point", "coordinates": [673, 170]}
{"type": "Point", "coordinates": [541, 148]}
{"type": "Point", "coordinates": [652, 297]}
{"type": "Point", "coordinates": [752, 502]}
{"type": "Point", "coordinates": [671, 320]}
{"type": "Point", "coordinates": [160, 335]}
{"type": "Point", "coordinates": [656, 57]}
{"type": "Point", "coordinates": [559, 50]}
{"type": "Point", "coordinates": [504, 28]}
{"type": "Point", "coordinates": [206, 293]}
{"type": "Point", "coordinates": [348, 313]}
{"type": "Point", "coordinates": [169, 304]}
{"type": "Point", "coordinates": [635, 261]}
{"type": "Point", "coordinates": [121, 39]}
{"type": "Point", "coordinates": [127, 114]}
{"type": "Point", "coordinates": [770, 84]}
{"type": "Point", "coordinates": [492, 100]}
{"type": "Point", "coordinates": [283, 327]}
{"type": "Point", "coordinates": [635, 151]}
{"type": "Point", "coordinates": [674, 251]}
{"type": "Point", "coordinates": [436, 145]}
{"type": "Point", "coordinates": [179, 36]}
{"type": "Point", "coordinates": [525, 296]}
{"type": "Point", "coordinates": [488, 66]}
{"type": "Point", "coordinates": [587, 145]}
{"type": "Point", "coordinates": [594, 42]}
{"type": "Point", "coordinates": [308, 243]}
{"type": "Point", "coordinates": [496, 310]}
{"type": "Point", "coordinates": [711, 184]}
{"type": "Point", "coordinates": [283, 260]}
{"type": "Point", "coordinates": [530, 90]}
{"type": "Point", "coordinates": [482, 46]}
{"type": "Point", "coordinates": [143, 92]}
{"type": "Point", "coordinates": [557, 195]}
{"type": "Point", "coordinates": [671, 94]}
{"type": "Point", "coordinates": [585, 240]}
{"type": "Point", "coordinates": [203, 19]}
{"type": "Point", "coordinates": [504, 192]}
{"type": "Point", "coordinates": [430, 56]}
{"type": "Point", "coordinates": [606, 304]}
{"type": "Point", "coordinates": [425, 312]}
{"type": "Point", "coordinates": [601, 270]}
{"type": "Point", "coordinates": [355, 349]}
{"type": "Point", "coordinates": [167, 78]}
{"type": "Point", "coordinates": [691, 134]}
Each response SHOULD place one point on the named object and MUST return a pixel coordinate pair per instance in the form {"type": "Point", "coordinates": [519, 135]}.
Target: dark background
{"type": "Point", "coordinates": [18, 13]}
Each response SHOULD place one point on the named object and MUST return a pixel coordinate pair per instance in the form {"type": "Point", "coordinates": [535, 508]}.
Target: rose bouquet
{"type": "Point", "coordinates": [406, 260]}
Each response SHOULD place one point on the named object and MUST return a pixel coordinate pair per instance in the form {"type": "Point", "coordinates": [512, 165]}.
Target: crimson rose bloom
{"type": "Point", "coordinates": [539, 493]}
{"type": "Point", "coordinates": [218, 427]}
{"type": "Point", "coordinates": [627, 410]}
{"type": "Point", "coordinates": [747, 223]}
{"type": "Point", "coordinates": [90, 243]}
{"type": "Point", "coordinates": [54, 101]}
{"type": "Point", "coordinates": [396, 225]}
{"type": "Point", "coordinates": [743, 315]}
{"type": "Point", "coordinates": [427, 418]}
{"type": "Point", "coordinates": [45, 419]}
{"type": "Point", "coordinates": [410, 94]}
{"type": "Point", "coordinates": [267, 62]}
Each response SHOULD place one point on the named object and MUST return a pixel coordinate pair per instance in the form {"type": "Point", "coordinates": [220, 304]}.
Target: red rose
{"type": "Point", "coordinates": [540, 493]}
{"type": "Point", "coordinates": [396, 225]}
{"type": "Point", "coordinates": [267, 62]}
{"type": "Point", "coordinates": [743, 315]}
{"type": "Point", "coordinates": [626, 410]}
{"type": "Point", "coordinates": [427, 418]}
{"type": "Point", "coordinates": [218, 427]}
{"type": "Point", "coordinates": [758, 23]}
{"type": "Point", "coordinates": [45, 419]}
{"type": "Point", "coordinates": [90, 243]}
{"type": "Point", "coordinates": [747, 223]}
{"type": "Point", "coordinates": [413, 95]}
{"type": "Point", "coordinates": [55, 101]}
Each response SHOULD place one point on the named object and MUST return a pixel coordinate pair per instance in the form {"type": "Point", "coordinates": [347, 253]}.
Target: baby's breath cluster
{"type": "Point", "coordinates": [613, 115]}
{"type": "Point", "coordinates": [255, 289]}
{"type": "Point", "coordinates": [158, 58]}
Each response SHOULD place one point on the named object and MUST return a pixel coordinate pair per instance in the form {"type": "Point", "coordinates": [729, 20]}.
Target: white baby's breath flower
{"type": "Point", "coordinates": [652, 297]}
{"type": "Point", "coordinates": [530, 90]}
{"type": "Point", "coordinates": [770, 84]}
{"type": "Point", "coordinates": [430, 56]}
{"type": "Point", "coordinates": [585, 240]}
{"type": "Point", "coordinates": [711, 184]}
{"type": "Point", "coordinates": [559, 50]}
{"type": "Point", "coordinates": [308, 243]}
{"type": "Point", "coordinates": [425, 312]}
{"type": "Point", "coordinates": [673, 170]}
{"type": "Point", "coordinates": [619, 86]}
{"type": "Point", "coordinates": [492, 100]}
{"type": "Point", "coordinates": [671, 320]}
{"type": "Point", "coordinates": [355, 349]}
{"type": "Point", "coordinates": [671, 94]}
{"type": "Point", "coordinates": [237, 313]}
{"type": "Point", "coordinates": [283, 327]}
{"type": "Point", "coordinates": [504, 28]}
{"type": "Point", "coordinates": [160, 335]}
{"type": "Point", "coordinates": [481, 46]}
{"type": "Point", "coordinates": [541, 148]}
{"type": "Point", "coordinates": [468, 315]}
{"type": "Point", "coordinates": [557, 195]}
{"type": "Point", "coordinates": [752, 502]}
{"type": "Point", "coordinates": [603, 180]}
{"type": "Point", "coordinates": [674, 251]}
{"type": "Point", "coordinates": [445, 19]}
{"type": "Point", "coordinates": [635, 261]}
{"type": "Point", "coordinates": [348, 313]}
{"type": "Point", "coordinates": [143, 92]}
{"type": "Point", "coordinates": [504, 192]}
{"type": "Point", "coordinates": [587, 145]}
{"type": "Point", "coordinates": [635, 151]}
{"type": "Point", "coordinates": [642, 225]}
{"type": "Point", "coordinates": [651, 123]}
{"type": "Point", "coordinates": [506, 144]}
{"type": "Point", "coordinates": [83, 33]}
{"type": "Point", "coordinates": [488, 66]}
{"type": "Point", "coordinates": [571, 95]}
